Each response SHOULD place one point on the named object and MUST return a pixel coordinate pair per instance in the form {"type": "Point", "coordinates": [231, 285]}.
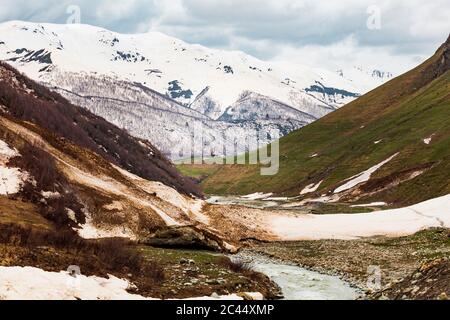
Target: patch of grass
{"type": "Point", "coordinates": [14, 211]}
{"type": "Point", "coordinates": [197, 171]}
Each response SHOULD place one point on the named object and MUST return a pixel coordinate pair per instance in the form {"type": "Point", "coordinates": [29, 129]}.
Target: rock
{"type": "Point", "coordinates": [212, 281]}
{"type": "Point", "coordinates": [187, 261]}
{"type": "Point", "coordinates": [251, 295]}
{"type": "Point", "coordinates": [187, 237]}
{"type": "Point", "coordinates": [443, 296]}
{"type": "Point", "coordinates": [215, 295]}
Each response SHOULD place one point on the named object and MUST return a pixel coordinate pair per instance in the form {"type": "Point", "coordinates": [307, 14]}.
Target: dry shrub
{"type": "Point", "coordinates": [235, 265]}
{"type": "Point", "coordinates": [42, 167]}
{"type": "Point", "coordinates": [115, 254]}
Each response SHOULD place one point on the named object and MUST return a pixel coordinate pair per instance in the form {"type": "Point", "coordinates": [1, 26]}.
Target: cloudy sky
{"type": "Point", "coordinates": [392, 35]}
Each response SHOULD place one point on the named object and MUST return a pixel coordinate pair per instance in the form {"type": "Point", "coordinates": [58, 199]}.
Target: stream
{"type": "Point", "coordinates": [298, 283]}
{"type": "Point", "coordinates": [246, 202]}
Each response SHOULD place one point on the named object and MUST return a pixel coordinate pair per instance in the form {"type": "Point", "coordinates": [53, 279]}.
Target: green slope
{"type": "Point", "coordinates": [401, 113]}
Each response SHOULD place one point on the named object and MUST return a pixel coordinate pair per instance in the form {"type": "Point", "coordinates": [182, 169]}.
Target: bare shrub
{"type": "Point", "coordinates": [46, 177]}
{"type": "Point", "coordinates": [115, 254]}
{"type": "Point", "coordinates": [235, 265]}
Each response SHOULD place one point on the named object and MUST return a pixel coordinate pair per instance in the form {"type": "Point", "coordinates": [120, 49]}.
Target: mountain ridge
{"type": "Point", "coordinates": [199, 79]}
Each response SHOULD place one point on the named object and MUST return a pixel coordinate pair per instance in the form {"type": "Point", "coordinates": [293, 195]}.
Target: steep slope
{"type": "Point", "coordinates": [25, 100]}
{"type": "Point", "coordinates": [391, 145]}
{"type": "Point", "coordinates": [192, 84]}
{"type": "Point", "coordinates": [64, 169]}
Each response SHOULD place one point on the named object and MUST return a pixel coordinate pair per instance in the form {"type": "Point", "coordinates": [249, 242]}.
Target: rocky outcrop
{"type": "Point", "coordinates": [189, 237]}
{"type": "Point", "coordinates": [431, 281]}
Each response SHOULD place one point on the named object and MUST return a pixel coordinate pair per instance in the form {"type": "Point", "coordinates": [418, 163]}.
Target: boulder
{"type": "Point", "coordinates": [189, 237]}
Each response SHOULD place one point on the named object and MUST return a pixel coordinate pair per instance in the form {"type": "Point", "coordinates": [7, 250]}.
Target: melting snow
{"type": "Point", "coordinates": [50, 194]}
{"type": "Point", "coordinates": [428, 140]}
{"type": "Point", "coordinates": [90, 231]}
{"type": "Point", "coordinates": [311, 188]}
{"type": "Point", "coordinates": [363, 176]}
{"type": "Point", "coordinates": [28, 283]}
{"type": "Point", "coordinates": [395, 222]}
{"type": "Point", "coordinates": [376, 204]}
{"type": "Point", "coordinates": [11, 179]}
{"type": "Point", "coordinates": [257, 196]}
{"type": "Point", "coordinates": [6, 152]}
{"type": "Point", "coordinates": [35, 284]}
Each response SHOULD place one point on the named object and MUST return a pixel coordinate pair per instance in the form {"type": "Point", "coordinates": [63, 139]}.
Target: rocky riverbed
{"type": "Point", "coordinates": [297, 283]}
{"type": "Point", "coordinates": [396, 260]}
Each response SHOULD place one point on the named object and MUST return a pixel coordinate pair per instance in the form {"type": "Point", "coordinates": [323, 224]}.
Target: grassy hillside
{"type": "Point", "coordinates": [395, 117]}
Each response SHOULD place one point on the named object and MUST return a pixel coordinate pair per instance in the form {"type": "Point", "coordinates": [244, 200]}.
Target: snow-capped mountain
{"type": "Point", "coordinates": [366, 78]}
{"type": "Point", "coordinates": [159, 88]}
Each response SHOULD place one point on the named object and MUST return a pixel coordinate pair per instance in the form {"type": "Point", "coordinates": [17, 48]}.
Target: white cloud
{"type": "Point", "coordinates": [347, 54]}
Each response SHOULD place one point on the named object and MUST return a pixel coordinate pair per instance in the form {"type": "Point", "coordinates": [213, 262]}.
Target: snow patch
{"type": "Point", "coordinates": [6, 152]}
{"type": "Point", "coordinates": [11, 179]}
{"type": "Point", "coordinates": [373, 204]}
{"type": "Point", "coordinates": [393, 223]}
{"type": "Point", "coordinates": [27, 283]}
{"type": "Point", "coordinates": [363, 176]}
{"type": "Point", "coordinates": [276, 199]}
{"type": "Point", "coordinates": [428, 140]}
{"type": "Point", "coordinates": [50, 194]}
{"type": "Point", "coordinates": [257, 196]}
{"type": "Point", "coordinates": [71, 214]}
{"type": "Point", "coordinates": [311, 188]}
{"type": "Point", "coordinates": [90, 230]}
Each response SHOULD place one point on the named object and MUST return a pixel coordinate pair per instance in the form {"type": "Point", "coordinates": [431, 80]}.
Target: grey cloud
{"type": "Point", "coordinates": [264, 28]}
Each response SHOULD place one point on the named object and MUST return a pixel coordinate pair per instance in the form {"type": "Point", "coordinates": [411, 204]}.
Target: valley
{"type": "Point", "coordinates": [92, 205]}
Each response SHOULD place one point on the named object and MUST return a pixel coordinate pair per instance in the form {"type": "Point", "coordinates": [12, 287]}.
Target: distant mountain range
{"type": "Point", "coordinates": [158, 87]}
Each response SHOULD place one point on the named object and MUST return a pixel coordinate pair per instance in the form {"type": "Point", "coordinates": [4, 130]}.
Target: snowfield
{"type": "Point", "coordinates": [35, 284]}
{"type": "Point", "coordinates": [28, 283]}
{"type": "Point", "coordinates": [392, 223]}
